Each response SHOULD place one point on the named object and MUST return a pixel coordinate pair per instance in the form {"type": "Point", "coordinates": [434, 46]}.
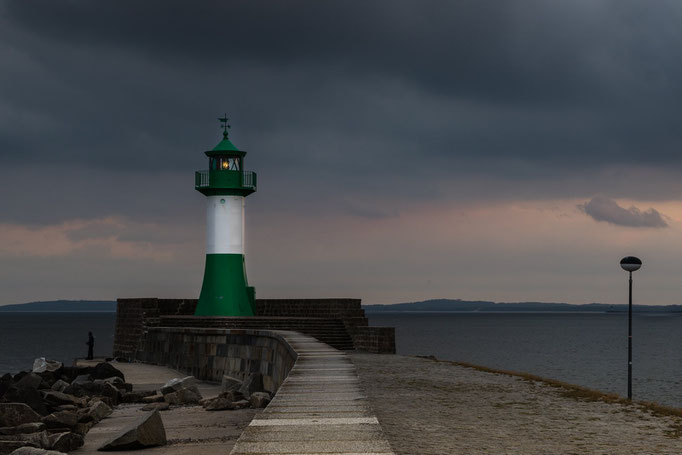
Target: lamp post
{"type": "Point", "coordinates": [630, 264]}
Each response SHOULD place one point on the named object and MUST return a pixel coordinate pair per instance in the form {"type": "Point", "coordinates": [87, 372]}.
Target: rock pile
{"type": "Point", "coordinates": [235, 394]}
{"type": "Point", "coordinates": [53, 406]}
{"type": "Point", "coordinates": [238, 394]}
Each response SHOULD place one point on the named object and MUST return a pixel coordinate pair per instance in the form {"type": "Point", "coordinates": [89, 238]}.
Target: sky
{"type": "Point", "coordinates": [494, 150]}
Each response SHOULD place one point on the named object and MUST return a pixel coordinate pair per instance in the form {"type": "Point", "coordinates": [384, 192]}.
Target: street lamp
{"type": "Point", "coordinates": [630, 264]}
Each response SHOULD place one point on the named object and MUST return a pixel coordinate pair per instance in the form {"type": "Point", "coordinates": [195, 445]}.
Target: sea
{"type": "Point", "coordinates": [588, 349]}
{"type": "Point", "coordinates": [57, 336]}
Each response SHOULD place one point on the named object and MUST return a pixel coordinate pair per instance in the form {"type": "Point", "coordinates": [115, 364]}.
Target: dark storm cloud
{"type": "Point", "coordinates": [351, 100]}
{"type": "Point", "coordinates": [602, 208]}
{"type": "Point", "coordinates": [554, 82]}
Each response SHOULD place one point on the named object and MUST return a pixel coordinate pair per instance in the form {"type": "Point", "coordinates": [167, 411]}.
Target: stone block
{"type": "Point", "coordinates": [146, 432]}
{"type": "Point", "coordinates": [14, 414]}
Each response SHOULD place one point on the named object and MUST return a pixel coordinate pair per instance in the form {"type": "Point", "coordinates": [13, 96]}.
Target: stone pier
{"type": "Point", "coordinates": [319, 408]}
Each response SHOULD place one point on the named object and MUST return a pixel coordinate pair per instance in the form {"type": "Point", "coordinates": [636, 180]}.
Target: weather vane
{"type": "Point", "coordinates": [224, 125]}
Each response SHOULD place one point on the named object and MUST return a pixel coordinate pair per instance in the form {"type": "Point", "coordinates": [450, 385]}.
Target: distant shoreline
{"type": "Point", "coordinates": [481, 306]}
{"type": "Point", "coordinates": [62, 306]}
{"type": "Point", "coordinates": [59, 311]}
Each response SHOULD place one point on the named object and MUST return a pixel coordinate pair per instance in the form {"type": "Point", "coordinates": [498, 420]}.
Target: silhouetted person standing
{"type": "Point", "coordinates": [91, 345]}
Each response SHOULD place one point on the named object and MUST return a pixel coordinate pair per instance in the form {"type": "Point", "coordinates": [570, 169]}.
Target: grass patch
{"type": "Point", "coordinates": [573, 391]}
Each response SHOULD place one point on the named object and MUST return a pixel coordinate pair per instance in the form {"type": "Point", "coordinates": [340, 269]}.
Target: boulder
{"type": "Point", "coordinates": [99, 389]}
{"type": "Point", "coordinates": [41, 365]}
{"type": "Point", "coordinates": [39, 440]}
{"type": "Point", "coordinates": [137, 397]}
{"type": "Point", "coordinates": [47, 382]}
{"type": "Point", "coordinates": [5, 383]}
{"type": "Point", "coordinates": [14, 414]}
{"type": "Point", "coordinates": [82, 379]}
{"type": "Point", "coordinates": [59, 385]}
{"type": "Point", "coordinates": [253, 383]}
{"type": "Point", "coordinates": [156, 406]}
{"type": "Point", "coordinates": [83, 427]}
{"type": "Point", "coordinates": [62, 419]}
{"type": "Point", "coordinates": [241, 404]}
{"type": "Point", "coordinates": [75, 389]}
{"type": "Point", "coordinates": [71, 373]}
{"type": "Point", "coordinates": [7, 447]}
{"type": "Point", "coordinates": [172, 398]}
{"type": "Point", "coordinates": [259, 399]}
{"type": "Point", "coordinates": [114, 380]}
{"type": "Point", "coordinates": [17, 377]}
{"type": "Point", "coordinates": [99, 411]}
{"type": "Point", "coordinates": [66, 442]}
{"type": "Point", "coordinates": [218, 404]}
{"type": "Point", "coordinates": [104, 389]}
{"type": "Point", "coordinates": [10, 446]}
{"type": "Point", "coordinates": [117, 383]}
{"type": "Point", "coordinates": [152, 398]}
{"type": "Point", "coordinates": [229, 383]}
{"type": "Point", "coordinates": [146, 432]}
{"type": "Point", "coordinates": [106, 370]}
{"type": "Point", "coordinates": [28, 396]}
{"type": "Point", "coordinates": [35, 451]}
{"type": "Point", "coordinates": [65, 407]}
{"type": "Point", "coordinates": [29, 381]}
{"type": "Point", "coordinates": [54, 398]}
{"type": "Point", "coordinates": [183, 396]}
{"type": "Point", "coordinates": [232, 395]}
{"type": "Point", "coordinates": [33, 427]}
{"type": "Point", "coordinates": [188, 382]}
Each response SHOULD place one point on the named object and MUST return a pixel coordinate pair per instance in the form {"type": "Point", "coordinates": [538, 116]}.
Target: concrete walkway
{"type": "Point", "coordinates": [319, 409]}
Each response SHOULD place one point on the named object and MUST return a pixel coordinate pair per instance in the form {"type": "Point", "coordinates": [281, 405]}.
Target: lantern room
{"type": "Point", "coordinates": [225, 174]}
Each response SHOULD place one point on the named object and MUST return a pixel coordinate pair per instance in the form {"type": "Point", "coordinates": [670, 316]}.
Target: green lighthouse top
{"type": "Point", "coordinates": [226, 174]}
{"type": "Point", "coordinates": [225, 147]}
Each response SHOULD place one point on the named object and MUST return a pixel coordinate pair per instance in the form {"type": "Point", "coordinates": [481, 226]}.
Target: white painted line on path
{"type": "Point", "coordinates": [320, 421]}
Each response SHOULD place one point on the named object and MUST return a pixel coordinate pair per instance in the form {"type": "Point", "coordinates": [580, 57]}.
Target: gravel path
{"type": "Point", "coordinates": [427, 407]}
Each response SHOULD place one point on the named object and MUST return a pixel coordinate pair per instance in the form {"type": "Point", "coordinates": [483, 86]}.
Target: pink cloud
{"type": "Point", "coordinates": [108, 236]}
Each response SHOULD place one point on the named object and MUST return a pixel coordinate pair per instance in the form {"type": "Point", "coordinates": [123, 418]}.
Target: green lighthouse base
{"type": "Point", "coordinates": [225, 291]}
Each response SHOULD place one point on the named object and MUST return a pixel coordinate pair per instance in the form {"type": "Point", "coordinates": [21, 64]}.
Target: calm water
{"type": "Point", "coordinates": [584, 349]}
{"type": "Point", "coordinates": [57, 336]}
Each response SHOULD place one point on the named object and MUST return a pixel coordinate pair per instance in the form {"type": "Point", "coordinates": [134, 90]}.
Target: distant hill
{"type": "Point", "coordinates": [57, 306]}
{"type": "Point", "coordinates": [483, 306]}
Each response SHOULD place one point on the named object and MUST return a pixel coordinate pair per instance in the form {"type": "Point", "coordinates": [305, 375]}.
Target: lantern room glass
{"type": "Point", "coordinates": [225, 163]}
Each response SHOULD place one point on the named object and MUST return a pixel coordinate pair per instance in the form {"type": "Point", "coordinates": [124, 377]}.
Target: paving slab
{"type": "Point", "coordinates": [319, 409]}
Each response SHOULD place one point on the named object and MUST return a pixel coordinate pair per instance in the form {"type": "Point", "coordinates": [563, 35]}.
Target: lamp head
{"type": "Point", "coordinates": [630, 263]}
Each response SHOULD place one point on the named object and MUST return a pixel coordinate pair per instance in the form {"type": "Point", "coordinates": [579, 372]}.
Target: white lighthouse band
{"type": "Point", "coordinates": [225, 225]}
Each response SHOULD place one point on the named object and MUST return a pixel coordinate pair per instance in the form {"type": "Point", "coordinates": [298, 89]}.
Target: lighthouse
{"type": "Point", "coordinates": [225, 291]}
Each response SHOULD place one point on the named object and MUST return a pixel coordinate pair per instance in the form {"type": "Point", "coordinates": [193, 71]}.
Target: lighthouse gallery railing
{"type": "Point", "coordinates": [202, 179]}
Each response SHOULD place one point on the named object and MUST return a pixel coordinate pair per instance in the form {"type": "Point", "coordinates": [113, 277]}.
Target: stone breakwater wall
{"type": "Point", "coordinates": [131, 317]}
{"type": "Point", "coordinates": [136, 315]}
{"type": "Point", "coordinates": [377, 340]}
{"type": "Point", "coordinates": [208, 354]}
